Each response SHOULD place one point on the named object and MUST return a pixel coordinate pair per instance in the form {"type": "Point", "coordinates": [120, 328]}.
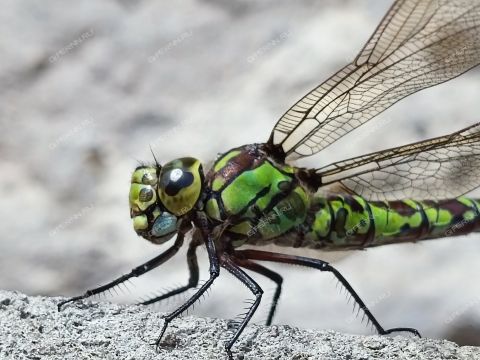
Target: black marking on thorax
{"type": "Point", "coordinates": [370, 235]}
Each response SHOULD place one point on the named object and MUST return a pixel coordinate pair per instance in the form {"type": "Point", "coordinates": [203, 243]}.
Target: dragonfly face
{"type": "Point", "coordinates": [159, 195]}
{"type": "Point", "coordinates": [150, 221]}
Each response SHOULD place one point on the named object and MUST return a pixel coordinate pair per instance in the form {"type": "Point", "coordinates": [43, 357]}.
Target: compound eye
{"type": "Point", "coordinates": [176, 180]}
{"type": "Point", "coordinates": [180, 185]}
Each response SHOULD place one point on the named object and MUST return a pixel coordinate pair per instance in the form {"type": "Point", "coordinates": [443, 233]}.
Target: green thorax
{"type": "Point", "coordinates": [262, 199]}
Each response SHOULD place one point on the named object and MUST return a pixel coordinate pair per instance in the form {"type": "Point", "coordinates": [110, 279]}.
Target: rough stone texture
{"type": "Point", "coordinates": [87, 86]}
{"type": "Point", "coordinates": [31, 328]}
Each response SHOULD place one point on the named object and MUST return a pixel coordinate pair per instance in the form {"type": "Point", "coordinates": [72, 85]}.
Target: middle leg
{"type": "Point", "coordinates": [214, 273]}
{"type": "Point", "coordinates": [229, 265]}
{"type": "Point", "coordinates": [192, 281]}
{"type": "Point", "coordinates": [272, 275]}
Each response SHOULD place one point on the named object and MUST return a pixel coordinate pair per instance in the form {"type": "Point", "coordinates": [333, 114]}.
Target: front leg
{"type": "Point", "coordinates": [214, 272]}
{"type": "Point", "coordinates": [138, 271]}
{"type": "Point", "coordinates": [193, 279]}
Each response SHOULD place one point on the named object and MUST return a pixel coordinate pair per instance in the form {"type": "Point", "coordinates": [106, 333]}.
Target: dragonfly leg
{"type": "Point", "coordinates": [192, 281]}
{"type": "Point", "coordinates": [138, 271]}
{"type": "Point", "coordinates": [229, 265]}
{"type": "Point", "coordinates": [275, 277]}
{"type": "Point", "coordinates": [323, 266]}
{"type": "Point", "coordinates": [214, 272]}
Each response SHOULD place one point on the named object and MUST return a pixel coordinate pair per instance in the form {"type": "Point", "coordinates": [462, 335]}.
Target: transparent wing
{"type": "Point", "coordinates": [418, 44]}
{"type": "Point", "coordinates": [442, 167]}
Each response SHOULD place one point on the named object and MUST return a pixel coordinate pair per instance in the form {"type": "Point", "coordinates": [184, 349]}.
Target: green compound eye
{"type": "Point", "coordinates": [180, 185]}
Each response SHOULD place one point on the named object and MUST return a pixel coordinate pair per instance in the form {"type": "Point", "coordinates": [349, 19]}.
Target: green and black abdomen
{"type": "Point", "coordinates": [348, 221]}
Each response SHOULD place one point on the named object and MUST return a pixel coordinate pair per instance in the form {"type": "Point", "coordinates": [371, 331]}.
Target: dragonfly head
{"type": "Point", "coordinates": [160, 195]}
{"type": "Point", "coordinates": [150, 220]}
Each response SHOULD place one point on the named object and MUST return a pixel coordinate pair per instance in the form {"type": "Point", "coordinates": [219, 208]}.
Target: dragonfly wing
{"type": "Point", "coordinates": [329, 256]}
{"type": "Point", "coordinates": [418, 44]}
{"type": "Point", "coordinates": [442, 167]}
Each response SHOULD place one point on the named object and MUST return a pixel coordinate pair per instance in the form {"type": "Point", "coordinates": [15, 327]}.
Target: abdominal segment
{"type": "Point", "coordinates": [349, 222]}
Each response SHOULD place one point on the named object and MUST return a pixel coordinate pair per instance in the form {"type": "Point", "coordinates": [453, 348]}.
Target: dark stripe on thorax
{"type": "Point", "coordinates": [370, 235]}
{"type": "Point", "coordinates": [425, 227]}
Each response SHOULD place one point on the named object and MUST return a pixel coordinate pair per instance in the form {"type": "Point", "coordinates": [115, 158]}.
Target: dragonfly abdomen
{"type": "Point", "coordinates": [348, 221]}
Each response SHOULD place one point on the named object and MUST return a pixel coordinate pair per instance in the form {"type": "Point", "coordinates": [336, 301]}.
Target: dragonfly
{"type": "Point", "coordinates": [254, 195]}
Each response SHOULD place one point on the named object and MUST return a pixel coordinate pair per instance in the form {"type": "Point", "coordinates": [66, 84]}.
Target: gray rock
{"type": "Point", "coordinates": [32, 328]}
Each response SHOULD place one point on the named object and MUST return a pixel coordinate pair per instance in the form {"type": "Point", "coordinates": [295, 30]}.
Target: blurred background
{"type": "Point", "coordinates": [86, 89]}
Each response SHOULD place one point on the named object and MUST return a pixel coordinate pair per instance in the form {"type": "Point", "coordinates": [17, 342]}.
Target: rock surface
{"type": "Point", "coordinates": [32, 328]}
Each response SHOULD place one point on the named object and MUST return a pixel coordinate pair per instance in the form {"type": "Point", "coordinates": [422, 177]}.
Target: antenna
{"type": "Point", "coordinates": [154, 157]}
